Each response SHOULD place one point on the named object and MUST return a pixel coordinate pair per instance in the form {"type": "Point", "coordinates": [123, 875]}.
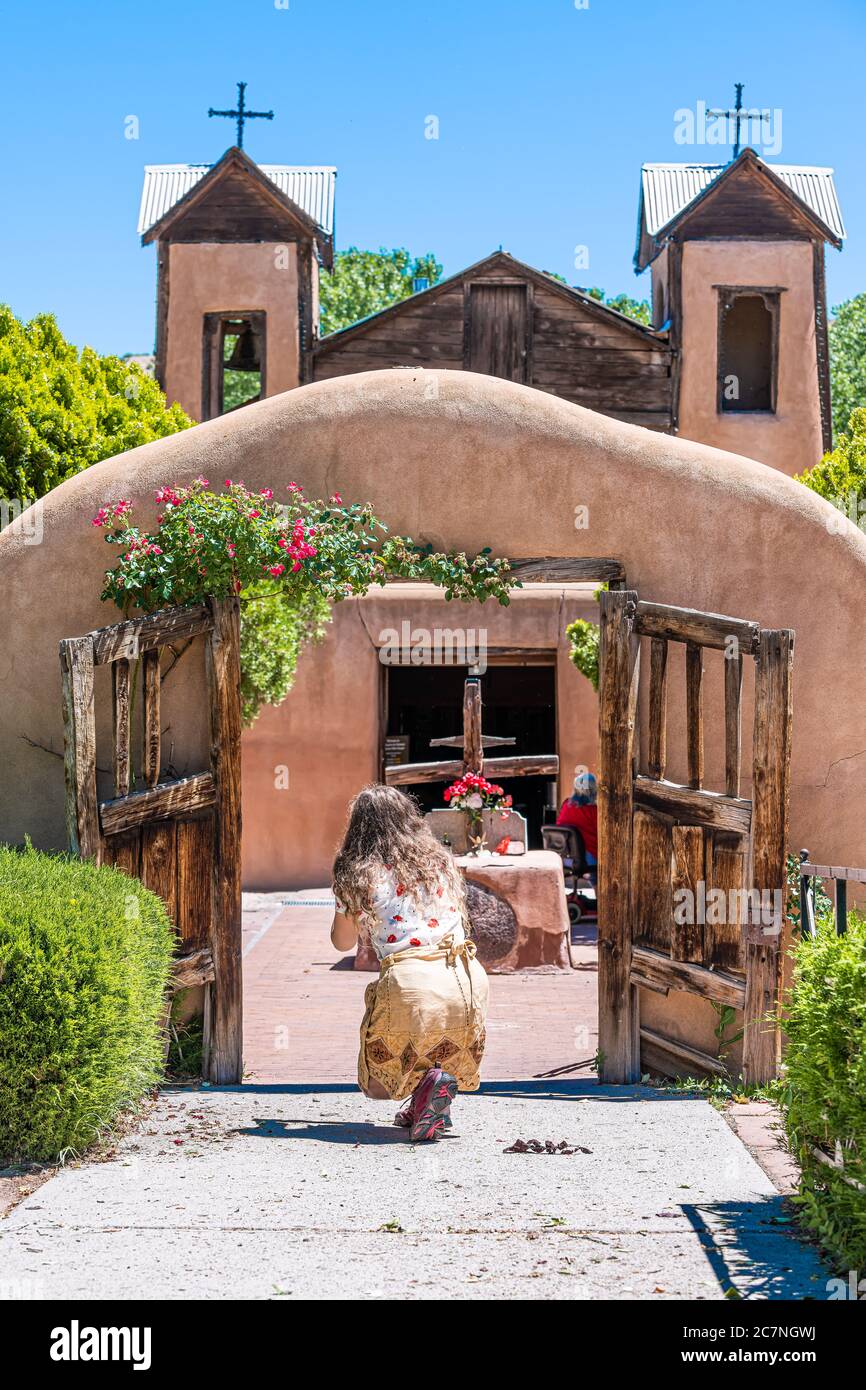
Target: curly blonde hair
{"type": "Point", "coordinates": [387, 830]}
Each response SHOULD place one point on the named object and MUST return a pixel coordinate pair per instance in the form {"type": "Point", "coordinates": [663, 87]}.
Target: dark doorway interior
{"type": "Point", "coordinates": [426, 702]}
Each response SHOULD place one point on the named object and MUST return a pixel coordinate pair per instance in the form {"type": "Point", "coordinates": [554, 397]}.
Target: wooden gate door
{"type": "Point", "coordinates": [497, 328]}
{"type": "Point", "coordinates": [181, 837]}
{"type": "Point", "coordinates": [660, 842]}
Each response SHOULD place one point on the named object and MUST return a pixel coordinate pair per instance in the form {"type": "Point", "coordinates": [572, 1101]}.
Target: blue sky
{"type": "Point", "coordinates": [546, 112]}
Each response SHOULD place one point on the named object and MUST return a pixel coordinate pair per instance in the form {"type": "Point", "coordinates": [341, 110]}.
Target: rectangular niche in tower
{"type": "Point", "coordinates": [233, 361]}
{"type": "Point", "coordinates": [748, 349]}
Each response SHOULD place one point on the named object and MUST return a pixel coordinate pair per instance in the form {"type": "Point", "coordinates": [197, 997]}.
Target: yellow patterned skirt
{"type": "Point", "coordinates": [427, 1009]}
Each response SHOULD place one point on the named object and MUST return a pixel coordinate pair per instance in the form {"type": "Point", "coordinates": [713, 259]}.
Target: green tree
{"type": "Point", "coordinates": [62, 409]}
{"type": "Point", "coordinates": [638, 309]}
{"type": "Point", "coordinates": [363, 282]}
{"type": "Point", "coordinates": [841, 474]}
{"type": "Point", "coordinates": [848, 359]}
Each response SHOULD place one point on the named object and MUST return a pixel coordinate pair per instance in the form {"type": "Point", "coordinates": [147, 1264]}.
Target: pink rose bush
{"type": "Point", "coordinates": [219, 543]}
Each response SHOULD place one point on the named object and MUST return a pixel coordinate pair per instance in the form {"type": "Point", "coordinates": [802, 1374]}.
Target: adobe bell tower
{"type": "Point", "coordinates": [239, 250]}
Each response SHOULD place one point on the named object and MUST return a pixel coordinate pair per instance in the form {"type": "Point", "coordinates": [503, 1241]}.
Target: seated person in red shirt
{"type": "Point", "coordinates": [581, 811]}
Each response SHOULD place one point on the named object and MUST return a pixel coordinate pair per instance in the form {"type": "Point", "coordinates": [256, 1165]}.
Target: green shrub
{"type": "Point", "coordinates": [825, 1098]}
{"type": "Point", "coordinates": [584, 640]}
{"type": "Point", "coordinates": [84, 958]}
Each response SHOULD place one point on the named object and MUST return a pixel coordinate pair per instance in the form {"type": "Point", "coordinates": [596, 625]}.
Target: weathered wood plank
{"type": "Point", "coordinates": [658, 695]}
{"type": "Point", "coordinates": [167, 799]}
{"type": "Point", "coordinates": [131, 638]}
{"type": "Point", "coordinates": [79, 737]}
{"type": "Point", "coordinates": [193, 968]}
{"type": "Point", "coordinates": [224, 680]}
{"type": "Point", "coordinates": [473, 748]}
{"type": "Point", "coordinates": [651, 892]}
{"type": "Point", "coordinates": [195, 873]}
{"type": "Point", "coordinates": [771, 783]}
{"type": "Point", "coordinates": [655, 968]}
{"type": "Point", "coordinates": [724, 944]}
{"type": "Point", "coordinates": [120, 672]}
{"type": "Point", "coordinates": [569, 569]}
{"type": "Point", "coordinates": [695, 714]}
{"type": "Point", "coordinates": [159, 862]}
{"type": "Point", "coordinates": [670, 1057]}
{"type": "Point", "coordinates": [542, 765]}
{"type": "Point", "coordinates": [124, 852]}
{"type": "Point", "coordinates": [695, 807]}
{"type": "Point", "coordinates": [733, 722]}
{"type": "Point", "coordinates": [688, 625]}
{"type": "Point", "coordinates": [151, 735]}
{"type": "Point", "coordinates": [687, 943]}
{"type": "Point", "coordinates": [619, 673]}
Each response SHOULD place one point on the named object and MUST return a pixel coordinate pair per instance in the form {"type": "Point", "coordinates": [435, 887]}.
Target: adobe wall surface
{"type": "Point", "coordinates": [465, 460]}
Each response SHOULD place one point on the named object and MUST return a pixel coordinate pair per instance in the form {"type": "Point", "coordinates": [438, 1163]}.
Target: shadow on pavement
{"type": "Point", "coordinates": [757, 1249]}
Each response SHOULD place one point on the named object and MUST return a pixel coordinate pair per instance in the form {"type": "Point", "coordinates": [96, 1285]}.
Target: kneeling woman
{"type": "Point", "coordinates": [422, 1034]}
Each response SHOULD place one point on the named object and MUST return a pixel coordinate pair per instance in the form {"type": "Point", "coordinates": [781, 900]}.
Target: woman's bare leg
{"type": "Point", "coordinates": [375, 1090]}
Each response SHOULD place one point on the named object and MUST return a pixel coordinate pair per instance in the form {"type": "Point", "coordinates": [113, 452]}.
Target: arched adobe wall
{"type": "Point", "coordinates": [466, 460]}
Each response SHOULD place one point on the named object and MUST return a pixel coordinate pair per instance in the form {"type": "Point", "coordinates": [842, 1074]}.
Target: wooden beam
{"type": "Point", "coordinates": [473, 748]}
{"type": "Point", "coordinates": [180, 798]}
{"type": "Point", "coordinates": [733, 722]}
{"type": "Point", "coordinates": [687, 938]}
{"type": "Point", "coordinates": [658, 694]}
{"type": "Point", "coordinates": [657, 1050]}
{"type": "Point", "coordinates": [695, 807]}
{"type": "Point", "coordinates": [542, 765]}
{"type": "Point", "coordinates": [695, 714]}
{"type": "Point", "coordinates": [79, 738]}
{"type": "Point", "coordinates": [689, 625]}
{"type": "Point", "coordinates": [654, 968]}
{"type": "Point", "coordinates": [120, 671]}
{"type": "Point", "coordinates": [151, 734]}
{"type": "Point", "coordinates": [568, 570]}
{"type": "Point", "coordinates": [619, 663]}
{"type": "Point", "coordinates": [771, 783]}
{"type": "Point", "coordinates": [224, 681]}
{"type": "Point", "coordinates": [156, 630]}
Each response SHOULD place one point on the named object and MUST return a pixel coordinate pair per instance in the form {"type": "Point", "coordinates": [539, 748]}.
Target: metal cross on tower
{"type": "Point", "coordinates": [740, 116]}
{"type": "Point", "coordinates": [242, 114]}
{"type": "Point", "coordinates": [473, 742]}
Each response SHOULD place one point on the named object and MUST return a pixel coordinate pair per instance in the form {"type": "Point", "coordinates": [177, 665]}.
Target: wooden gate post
{"type": "Point", "coordinates": [223, 661]}
{"type": "Point", "coordinates": [79, 735]}
{"type": "Point", "coordinates": [619, 665]}
{"type": "Point", "coordinates": [770, 791]}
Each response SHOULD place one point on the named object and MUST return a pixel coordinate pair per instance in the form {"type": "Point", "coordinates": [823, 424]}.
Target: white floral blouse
{"type": "Point", "coordinates": [402, 919]}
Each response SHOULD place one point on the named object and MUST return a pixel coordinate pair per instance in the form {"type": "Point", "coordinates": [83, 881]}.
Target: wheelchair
{"type": "Point", "coordinates": [580, 890]}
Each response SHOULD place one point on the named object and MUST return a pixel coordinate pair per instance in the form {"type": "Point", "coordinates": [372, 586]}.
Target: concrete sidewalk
{"type": "Point", "coordinates": [308, 1192]}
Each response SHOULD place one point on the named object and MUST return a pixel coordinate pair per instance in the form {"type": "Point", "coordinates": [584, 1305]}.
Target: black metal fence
{"type": "Point", "coordinates": [840, 877]}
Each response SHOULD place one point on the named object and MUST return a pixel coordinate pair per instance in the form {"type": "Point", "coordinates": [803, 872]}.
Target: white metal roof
{"type": "Point", "coordinates": [311, 187]}
{"type": "Point", "coordinates": [669, 188]}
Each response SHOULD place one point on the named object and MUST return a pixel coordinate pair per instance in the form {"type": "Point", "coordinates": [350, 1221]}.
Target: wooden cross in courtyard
{"type": "Point", "coordinates": [242, 114]}
{"type": "Point", "coordinates": [473, 742]}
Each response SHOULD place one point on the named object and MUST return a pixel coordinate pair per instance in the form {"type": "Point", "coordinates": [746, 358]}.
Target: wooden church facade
{"type": "Point", "coordinates": [504, 318]}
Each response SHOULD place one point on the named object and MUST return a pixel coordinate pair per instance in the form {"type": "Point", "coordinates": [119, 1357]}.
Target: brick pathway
{"type": "Point", "coordinates": [303, 1003]}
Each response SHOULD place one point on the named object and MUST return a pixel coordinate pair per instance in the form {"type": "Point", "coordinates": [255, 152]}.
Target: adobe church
{"type": "Point", "coordinates": [736, 356]}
